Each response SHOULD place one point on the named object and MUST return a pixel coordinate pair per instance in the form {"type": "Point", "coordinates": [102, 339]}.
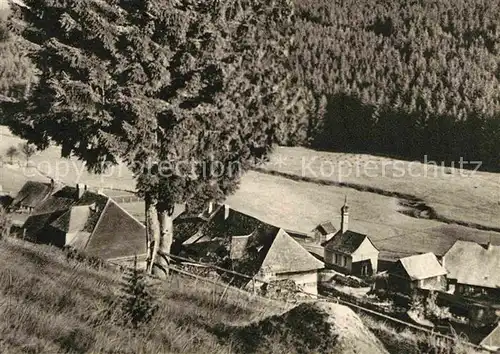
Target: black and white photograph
{"type": "Point", "coordinates": [249, 177]}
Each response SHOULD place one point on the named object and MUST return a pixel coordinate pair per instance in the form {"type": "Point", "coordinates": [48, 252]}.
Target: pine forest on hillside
{"type": "Point", "coordinates": [403, 78]}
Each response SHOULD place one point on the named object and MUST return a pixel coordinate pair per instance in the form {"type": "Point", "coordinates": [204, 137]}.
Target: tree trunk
{"type": "Point", "coordinates": [161, 262]}
{"type": "Point", "coordinates": [152, 229]}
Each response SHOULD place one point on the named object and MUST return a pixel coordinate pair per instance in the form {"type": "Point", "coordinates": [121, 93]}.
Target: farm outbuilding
{"type": "Point", "coordinates": [421, 271]}
{"type": "Point", "coordinates": [473, 269]}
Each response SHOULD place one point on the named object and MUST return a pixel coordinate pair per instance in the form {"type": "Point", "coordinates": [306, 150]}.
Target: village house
{"type": "Point", "coordinates": [473, 269]}
{"type": "Point", "coordinates": [278, 257]}
{"type": "Point", "coordinates": [86, 221]}
{"type": "Point", "coordinates": [324, 232]}
{"type": "Point", "coordinates": [32, 194]}
{"type": "Point", "coordinates": [350, 252]}
{"type": "Point", "coordinates": [248, 246]}
{"type": "Point", "coordinates": [422, 271]}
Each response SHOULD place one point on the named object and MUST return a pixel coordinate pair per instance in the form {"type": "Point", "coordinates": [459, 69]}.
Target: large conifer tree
{"type": "Point", "coordinates": [187, 92]}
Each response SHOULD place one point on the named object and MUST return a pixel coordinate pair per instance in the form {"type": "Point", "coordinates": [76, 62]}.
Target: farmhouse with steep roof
{"type": "Point", "coordinates": [280, 257]}
{"type": "Point", "coordinates": [473, 269]}
{"type": "Point", "coordinates": [251, 247]}
{"type": "Point", "coordinates": [350, 252]}
{"type": "Point", "coordinates": [84, 220]}
{"type": "Point", "coordinates": [324, 232]}
{"type": "Point", "coordinates": [31, 195]}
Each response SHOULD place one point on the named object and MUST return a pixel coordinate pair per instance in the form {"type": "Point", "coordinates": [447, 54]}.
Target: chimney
{"type": "Point", "coordinates": [210, 207]}
{"type": "Point", "coordinates": [489, 246]}
{"type": "Point", "coordinates": [443, 262]}
{"type": "Point", "coordinates": [226, 211]}
{"type": "Point", "coordinates": [344, 223]}
{"type": "Point", "coordinates": [52, 184]}
{"type": "Point", "coordinates": [80, 188]}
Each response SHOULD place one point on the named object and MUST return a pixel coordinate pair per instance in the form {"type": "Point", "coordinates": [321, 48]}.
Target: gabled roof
{"type": "Point", "coordinates": [236, 224]}
{"type": "Point", "coordinates": [48, 211]}
{"type": "Point", "coordinates": [287, 256]}
{"type": "Point", "coordinates": [186, 228]}
{"type": "Point", "coordinates": [347, 242]}
{"type": "Point", "coordinates": [326, 228]}
{"type": "Point", "coordinates": [116, 233]}
{"type": "Point", "coordinates": [253, 244]}
{"type": "Point", "coordinates": [32, 194]}
{"type": "Point", "coordinates": [82, 214]}
{"type": "Point", "coordinates": [74, 220]}
{"type": "Point", "coordinates": [422, 266]}
{"type": "Point", "coordinates": [492, 340]}
{"type": "Point", "coordinates": [473, 264]}
{"type": "Point", "coordinates": [188, 223]}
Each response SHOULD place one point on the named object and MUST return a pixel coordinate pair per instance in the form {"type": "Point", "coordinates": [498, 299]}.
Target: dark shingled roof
{"type": "Point", "coordinates": [237, 224]}
{"type": "Point", "coordinates": [189, 223]}
{"type": "Point", "coordinates": [347, 242]}
{"type": "Point", "coordinates": [48, 211]}
{"type": "Point", "coordinates": [186, 227]}
{"type": "Point", "coordinates": [32, 194]}
{"type": "Point", "coordinates": [262, 245]}
{"type": "Point", "coordinates": [473, 264]}
{"type": "Point", "coordinates": [116, 234]}
{"type": "Point", "coordinates": [326, 228]}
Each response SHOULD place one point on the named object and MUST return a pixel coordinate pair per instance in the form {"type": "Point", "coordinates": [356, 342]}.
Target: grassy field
{"type": "Point", "coordinates": [49, 162]}
{"type": "Point", "coordinates": [458, 194]}
{"type": "Point", "coordinates": [54, 305]}
{"type": "Point", "coordinates": [301, 205]}
{"type": "Point", "coordinates": [50, 304]}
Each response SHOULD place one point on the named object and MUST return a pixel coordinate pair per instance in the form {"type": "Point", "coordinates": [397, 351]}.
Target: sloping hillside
{"type": "Point", "coordinates": [52, 304]}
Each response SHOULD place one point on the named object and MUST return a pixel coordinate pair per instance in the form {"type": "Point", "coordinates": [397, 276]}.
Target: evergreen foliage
{"type": "Point", "coordinates": [187, 93]}
{"type": "Point", "coordinates": [404, 78]}
{"type": "Point", "coordinates": [137, 302]}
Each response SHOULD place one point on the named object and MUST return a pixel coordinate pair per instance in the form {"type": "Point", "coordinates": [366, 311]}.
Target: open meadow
{"type": "Point", "coordinates": [454, 193]}
{"type": "Point", "coordinates": [302, 204]}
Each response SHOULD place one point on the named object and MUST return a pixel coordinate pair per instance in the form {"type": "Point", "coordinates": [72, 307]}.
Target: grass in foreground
{"type": "Point", "coordinates": [408, 342]}
{"type": "Point", "coordinates": [49, 304]}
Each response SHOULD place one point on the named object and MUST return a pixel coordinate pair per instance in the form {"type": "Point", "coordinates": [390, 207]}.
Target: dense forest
{"type": "Point", "coordinates": [400, 78]}
{"type": "Point", "coordinates": [405, 78]}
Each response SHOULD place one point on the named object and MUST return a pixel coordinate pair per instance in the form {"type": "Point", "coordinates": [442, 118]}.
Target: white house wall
{"type": "Point", "coordinates": [366, 251]}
